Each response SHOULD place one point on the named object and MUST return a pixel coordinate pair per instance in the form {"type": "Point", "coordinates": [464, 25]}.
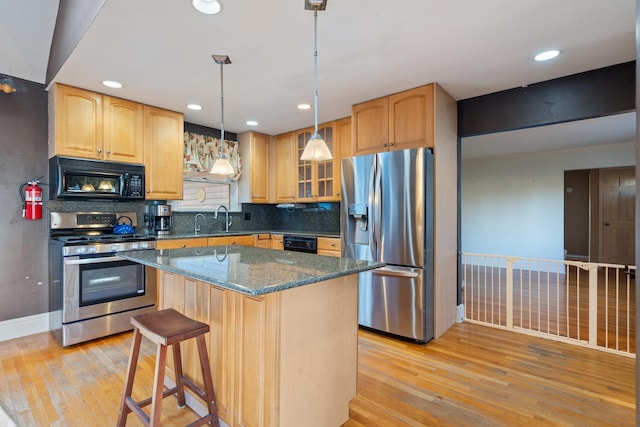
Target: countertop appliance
{"type": "Point", "coordinates": [160, 219]}
{"type": "Point", "coordinates": [387, 216]}
{"type": "Point", "coordinates": [295, 243]}
{"type": "Point", "coordinates": [80, 179]}
{"type": "Point", "coordinates": [92, 291]}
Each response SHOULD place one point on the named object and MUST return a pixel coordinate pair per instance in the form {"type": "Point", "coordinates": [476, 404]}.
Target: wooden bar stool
{"type": "Point", "coordinates": [168, 327]}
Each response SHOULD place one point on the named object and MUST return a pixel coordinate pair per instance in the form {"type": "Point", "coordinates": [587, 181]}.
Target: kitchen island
{"type": "Point", "coordinates": [283, 329]}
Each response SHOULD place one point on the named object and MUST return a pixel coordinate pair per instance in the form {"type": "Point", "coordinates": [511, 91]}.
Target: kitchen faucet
{"type": "Point", "coordinates": [196, 226]}
{"type": "Point", "coordinates": [227, 221]}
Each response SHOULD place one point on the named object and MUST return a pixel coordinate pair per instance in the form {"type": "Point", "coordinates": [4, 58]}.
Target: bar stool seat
{"type": "Point", "coordinates": [168, 328]}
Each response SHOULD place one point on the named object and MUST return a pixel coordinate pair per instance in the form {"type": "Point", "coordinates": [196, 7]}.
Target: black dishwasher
{"type": "Point", "coordinates": [300, 243]}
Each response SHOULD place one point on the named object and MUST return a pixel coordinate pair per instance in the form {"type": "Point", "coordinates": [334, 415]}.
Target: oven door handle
{"type": "Point", "coordinates": [92, 260]}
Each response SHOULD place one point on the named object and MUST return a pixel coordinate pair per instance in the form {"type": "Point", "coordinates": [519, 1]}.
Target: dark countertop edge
{"type": "Point", "coordinates": [254, 292]}
{"type": "Point", "coordinates": [246, 232]}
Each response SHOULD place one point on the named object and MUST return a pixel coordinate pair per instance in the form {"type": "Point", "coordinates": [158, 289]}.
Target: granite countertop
{"type": "Point", "coordinates": [252, 271]}
{"type": "Point", "coordinates": [245, 232]}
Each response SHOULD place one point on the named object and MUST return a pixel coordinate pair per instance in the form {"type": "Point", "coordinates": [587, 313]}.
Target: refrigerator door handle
{"type": "Point", "coordinates": [372, 208]}
{"type": "Point", "coordinates": [376, 204]}
{"type": "Point", "coordinates": [395, 273]}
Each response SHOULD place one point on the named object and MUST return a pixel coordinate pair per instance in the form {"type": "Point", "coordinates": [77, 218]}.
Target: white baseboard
{"type": "Point", "coordinates": [24, 326]}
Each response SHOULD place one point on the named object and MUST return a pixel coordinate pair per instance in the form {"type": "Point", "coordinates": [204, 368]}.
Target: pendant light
{"type": "Point", "coordinates": [316, 149]}
{"type": "Point", "coordinates": [222, 166]}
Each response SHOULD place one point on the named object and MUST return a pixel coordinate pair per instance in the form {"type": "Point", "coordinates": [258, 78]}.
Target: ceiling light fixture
{"type": "Point", "coordinates": [194, 107]}
{"type": "Point", "coordinates": [208, 7]}
{"type": "Point", "coordinates": [546, 55]}
{"type": "Point", "coordinates": [303, 106]}
{"type": "Point", "coordinates": [222, 166]}
{"type": "Point", "coordinates": [252, 123]}
{"type": "Point", "coordinates": [316, 149]}
{"type": "Point", "coordinates": [112, 84]}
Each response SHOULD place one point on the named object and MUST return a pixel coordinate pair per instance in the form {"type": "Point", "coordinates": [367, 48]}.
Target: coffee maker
{"type": "Point", "coordinates": [160, 219]}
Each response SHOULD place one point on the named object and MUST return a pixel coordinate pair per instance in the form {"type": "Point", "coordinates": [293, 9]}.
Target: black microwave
{"type": "Point", "coordinates": [83, 179]}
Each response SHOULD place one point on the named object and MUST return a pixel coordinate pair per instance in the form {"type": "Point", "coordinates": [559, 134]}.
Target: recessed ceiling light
{"type": "Point", "coordinates": [111, 83]}
{"type": "Point", "coordinates": [209, 7]}
{"type": "Point", "coordinates": [303, 106]}
{"type": "Point", "coordinates": [194, 107]}
{"type": "Point", "coordinates": [547, 55]}
{"type": "Point", "coordinates": [252, 123]}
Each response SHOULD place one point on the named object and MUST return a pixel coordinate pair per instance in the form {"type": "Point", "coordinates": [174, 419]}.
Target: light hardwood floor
{"type": "Point", "coordinates": [471, 376]}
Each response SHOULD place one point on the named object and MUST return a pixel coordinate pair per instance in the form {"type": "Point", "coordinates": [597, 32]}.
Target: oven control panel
{"type": "Point", "coordinates": [104, 248]}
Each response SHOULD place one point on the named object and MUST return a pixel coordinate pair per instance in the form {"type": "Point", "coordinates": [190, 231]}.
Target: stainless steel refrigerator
{"type": "Point", "coordinates": [387, 216]}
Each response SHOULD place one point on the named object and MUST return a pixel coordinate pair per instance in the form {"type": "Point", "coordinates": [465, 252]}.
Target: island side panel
{"type": "Point", "coordinates": [319, 340]}
{"type": "Point", "coordinates": [278, 359]}
{"type": "Point", "coordinates": [256, 397]}
{"type": "Point", "coordinates": [211, 305]}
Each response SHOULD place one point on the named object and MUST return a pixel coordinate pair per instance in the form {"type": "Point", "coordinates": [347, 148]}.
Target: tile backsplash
{"type": "Point", "coordinates": [317, 217]}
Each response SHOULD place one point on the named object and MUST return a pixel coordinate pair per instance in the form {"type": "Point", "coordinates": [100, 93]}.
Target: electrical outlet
{"type": "Point", "coordinates": [247, 216]}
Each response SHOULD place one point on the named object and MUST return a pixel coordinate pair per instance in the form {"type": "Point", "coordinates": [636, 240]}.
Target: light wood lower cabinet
{"type": "Point", "coordinates": [182, 243]}
{"type": "Point", "coordinates": [246, 240]}
{"type": "Point", "coordinates": [329, 246]}
{"type": "Point", "coordinates": [262, 241]}
{"type": "Point", "coordinates": [277, 242]}
{"type": "Point", "coordinates": [280, 359]}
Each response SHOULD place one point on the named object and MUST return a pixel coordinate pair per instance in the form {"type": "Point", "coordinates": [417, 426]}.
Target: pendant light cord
{"type": "Point", "coordinates": [221, 109]}
{"type": "Point", "coordinates": [315, 68]}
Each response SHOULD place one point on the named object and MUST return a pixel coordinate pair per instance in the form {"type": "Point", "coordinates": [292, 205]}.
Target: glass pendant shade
{"type": "Point", "coordinates": [316, 150]}
{"type": "Point", "coordinates": [222, 167]}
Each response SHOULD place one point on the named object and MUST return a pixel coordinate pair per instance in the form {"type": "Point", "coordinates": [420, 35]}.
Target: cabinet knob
{"type": "Point", "coordinates": [148, 191]}
{"type": "Point", "coordinates": [333, 244]}
{"type": "Point", "coordinates": [184, 245]}
{"type": "Point", "coordinates": [108, 152]}
{"type": "Point", "coordinates": [391, 144]}
{"type": "Point", "coordinates": [384, 145]}
{"type": "Point", "coordinates": [99, 150]}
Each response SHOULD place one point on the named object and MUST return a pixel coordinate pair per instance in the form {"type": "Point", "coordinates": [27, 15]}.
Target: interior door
{"type": "Point", "coordinates": [618, 195]}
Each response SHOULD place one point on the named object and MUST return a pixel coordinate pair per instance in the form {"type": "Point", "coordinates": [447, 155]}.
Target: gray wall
{"type": "Point", "coordinates": [23, 244]}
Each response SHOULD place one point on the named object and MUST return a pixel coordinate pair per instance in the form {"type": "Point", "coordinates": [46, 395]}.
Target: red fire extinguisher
{"type": "Point", "coordinates": [32, 201]}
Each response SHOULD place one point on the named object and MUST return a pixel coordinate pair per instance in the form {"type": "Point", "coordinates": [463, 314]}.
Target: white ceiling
{"type": "Point", "coordinates": [161, 51]}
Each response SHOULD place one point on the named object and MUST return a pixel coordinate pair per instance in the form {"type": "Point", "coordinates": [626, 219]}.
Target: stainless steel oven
{"type": "Point", "coordinates": [94, 292]}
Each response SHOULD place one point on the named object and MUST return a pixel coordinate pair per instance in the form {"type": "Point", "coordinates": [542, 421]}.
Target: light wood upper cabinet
{"type": "Point", "coordinates": [370, 126]}
{"type": "Point", "coordinates": [398, 121]}
{"type": "Point", "coordinates": [123, 130]}
{"type": "Point", "coordinates": [343, 137]}
{"type": "Point", "coordinates": [77, 121]}
{"type": "Point", "coordinates": [283, 164]}
{"type": "Point", "coordinates": [318, 181]}
{"type": "Point", "coordinates": [95, 126]}
{"type": "Point", "coordinates": [163, 148]}
{"type": "Point", "coordinates": [254, 184]}
{"type": "Point", "coordinates": [259, 163]}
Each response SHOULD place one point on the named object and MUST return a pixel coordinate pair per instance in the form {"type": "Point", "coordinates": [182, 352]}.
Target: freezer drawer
{"type": "Point", "coordinates": [396, 300]}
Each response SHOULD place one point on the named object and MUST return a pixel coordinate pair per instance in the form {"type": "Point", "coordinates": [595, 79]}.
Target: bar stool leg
{"type": "Point", "coordinates": [177, 361]}
{"type": "Point", "coordinates": [158, 386]}
{"type": "Point", "coordinates": [131, 373]}
{"type": "Point", "coordinates": [208, 383]}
